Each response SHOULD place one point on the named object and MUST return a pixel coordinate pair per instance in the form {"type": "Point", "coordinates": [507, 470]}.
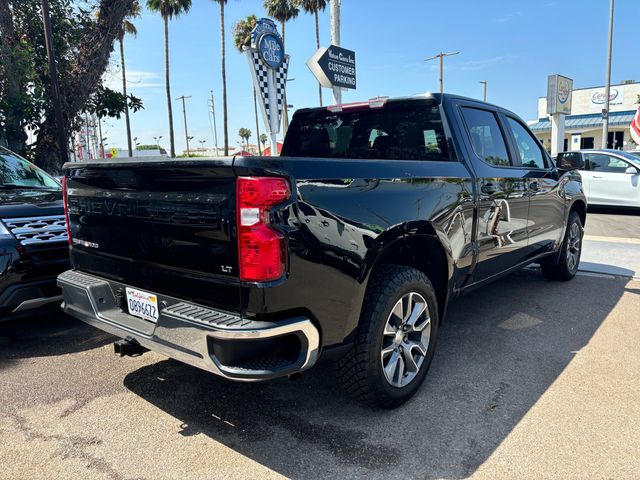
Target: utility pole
{"type": "Point", "coordinates": [607, 90]}
{"type": "Point", "coordinates": [484, 85]}
{"type": "Point", "coordinates": [55, 87]}
{"type": "Point", "coordinates": [184, 113]}
{"type": "Point", "coordinates": [101, 153]}
{"type": "Point", "coordinates": [335, 40]}
{"type": "Point", "coordinates": [441, 57]}
{"type": "Point", "coordinates": [215, 127]}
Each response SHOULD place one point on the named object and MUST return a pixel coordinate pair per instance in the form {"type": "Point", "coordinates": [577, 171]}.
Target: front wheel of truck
{"type": "Point", "coordinates": [564, 266]}
{"type": "Point", "coordinates": [396, 338]}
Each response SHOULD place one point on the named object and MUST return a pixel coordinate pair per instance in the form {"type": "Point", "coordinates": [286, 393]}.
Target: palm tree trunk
{"type": "Point", "coordinates": [285, 113]}
{"type": "Point", "coordinates": [168, 83]}
{"type": "Point", "coordinates": [124, 92]}
{"type": "Point", "coordinates": [224, 84]}
{"type": "Point", "coordinates": [318, 47]}
{"type": "Point", "coordinates": [255, 107]}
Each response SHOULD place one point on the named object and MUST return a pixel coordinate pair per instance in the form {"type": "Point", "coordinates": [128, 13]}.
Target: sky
{"type": "Point", "coordinates": [513, 45]}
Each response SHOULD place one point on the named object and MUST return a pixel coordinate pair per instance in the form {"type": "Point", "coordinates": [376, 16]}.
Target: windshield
{"type": "Point", "coordinates": [16, 172]}
{"type": "Point", "coordinates": [398, 131]}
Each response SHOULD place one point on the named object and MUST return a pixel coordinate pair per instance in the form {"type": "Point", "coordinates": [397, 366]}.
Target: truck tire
{"type": "Point", "coordinates": [395, 340]}
{"type": "Point", "coordinates": [564, 266]}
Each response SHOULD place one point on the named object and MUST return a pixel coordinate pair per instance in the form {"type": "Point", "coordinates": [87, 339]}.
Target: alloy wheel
{"type": "Point", "coordinates": [406, 339]}
{"type": "Point", "coordinates": [573, 247]}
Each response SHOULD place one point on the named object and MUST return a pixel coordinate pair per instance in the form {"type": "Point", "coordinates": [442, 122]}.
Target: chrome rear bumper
{"type": "Point", "coordinates": [223, 343]}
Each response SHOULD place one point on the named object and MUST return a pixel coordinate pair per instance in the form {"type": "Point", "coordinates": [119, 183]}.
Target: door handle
{"type": "Point", "coordinates": [596, 176]}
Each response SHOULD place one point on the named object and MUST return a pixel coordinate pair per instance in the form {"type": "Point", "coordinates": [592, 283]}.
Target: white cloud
{"type": "Point", "coordinates": [507, 17]}
{"type": "Point", "coordinates": [136, 79]}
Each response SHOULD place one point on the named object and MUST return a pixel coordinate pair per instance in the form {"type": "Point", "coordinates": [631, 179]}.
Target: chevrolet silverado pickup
{"type": "Point", "coordinates": [33, 238]}
{"type": "Point", "coordinates": [347, 247]}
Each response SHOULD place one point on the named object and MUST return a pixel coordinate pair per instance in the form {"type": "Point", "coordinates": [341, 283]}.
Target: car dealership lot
{"type": "Point", "coordinates": [531, 379]}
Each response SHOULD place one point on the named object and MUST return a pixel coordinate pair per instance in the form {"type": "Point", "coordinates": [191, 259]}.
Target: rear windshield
{"type": "Point", "coordinates": [409, 131]}
{"type": "Point", "coordinates": [16, 172]}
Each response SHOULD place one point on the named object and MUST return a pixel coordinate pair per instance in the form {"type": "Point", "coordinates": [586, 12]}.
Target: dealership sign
{"type": "Point", "coordinates": [559, 95]}
{"type": "Point", "coordinates": [334, 67]}
{"type": "Point", "coordinates": [616, 96]}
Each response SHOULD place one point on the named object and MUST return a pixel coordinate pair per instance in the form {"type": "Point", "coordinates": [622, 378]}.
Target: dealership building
{"type": "Point", "coordinates": [583, 128]}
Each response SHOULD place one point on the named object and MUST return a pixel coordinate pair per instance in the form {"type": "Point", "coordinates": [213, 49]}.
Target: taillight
{"type": "Point", "coordinates": [66, 209]}
{"type": "Point", "coordinates": [261, 249]}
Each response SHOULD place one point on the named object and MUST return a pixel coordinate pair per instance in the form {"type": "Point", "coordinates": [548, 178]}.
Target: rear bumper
{"type": "Point", "coordinates": [220, 342]}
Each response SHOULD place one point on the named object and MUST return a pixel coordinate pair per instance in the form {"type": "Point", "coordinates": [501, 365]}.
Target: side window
{"type": "Point", "coordinates": [599, 162]}
{"type": "Point", "coordinates": [571, 156]}
{"type": "Point", "coordinates": [528, 147]}
{"type": "Point", "coordinates": [486, 136]}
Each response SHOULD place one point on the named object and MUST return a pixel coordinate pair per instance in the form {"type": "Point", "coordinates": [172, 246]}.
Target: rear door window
{"type": "Point", "coordinates": [486, 136]}
{"type": "Point", "coordinates": [398, 131]}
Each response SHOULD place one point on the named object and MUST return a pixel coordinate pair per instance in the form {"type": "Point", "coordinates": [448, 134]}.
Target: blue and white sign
{"type": "Point", "coordinates": [264, 25]}
{"type": "Point", "coordinates": [271, 49]}
{"type": "Point", "coordinates": [269, 66]}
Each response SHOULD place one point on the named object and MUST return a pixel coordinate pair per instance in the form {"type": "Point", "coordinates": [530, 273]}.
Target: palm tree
{"type": "Point", "coordinates": [263, 140]}
{"type": "Point", "coordinates": [245, 134]}
{"type": "Point", "coordinates": [242, 39]}
{"type": "Point", "coordinates": [169, 9]}
{"type": "Point", "coordinates": [224, 79]}
{"type": "Point", "coordinates": [127, 28]}
{"type": "Point", "coordinates": [283, 11]}
{"type": "Point", "coordinates": [314, 7]}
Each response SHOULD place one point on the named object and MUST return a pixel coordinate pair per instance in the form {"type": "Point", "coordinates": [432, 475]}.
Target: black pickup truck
{"type": "Point", "coordinates": [347, 247]}
{"type": "Point", "coordinates": [33, 238]}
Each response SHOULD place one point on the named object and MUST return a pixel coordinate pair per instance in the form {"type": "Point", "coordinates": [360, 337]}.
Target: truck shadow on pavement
{"type": "Point", "coordinates": [47, 334]}
{"type": "Point", "coordinates": [499, 350]}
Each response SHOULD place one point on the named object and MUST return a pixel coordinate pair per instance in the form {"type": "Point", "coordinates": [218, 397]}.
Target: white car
{"type": "Point", "coordinates": [609, 177]}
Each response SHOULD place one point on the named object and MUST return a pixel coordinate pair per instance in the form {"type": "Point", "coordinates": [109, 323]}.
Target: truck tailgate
{"type": "Point", "coordinates": [164, 226]}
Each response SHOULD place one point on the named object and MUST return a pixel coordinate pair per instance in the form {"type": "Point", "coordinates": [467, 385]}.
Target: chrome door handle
{"type": "Point", "coordinates": [595, 176]}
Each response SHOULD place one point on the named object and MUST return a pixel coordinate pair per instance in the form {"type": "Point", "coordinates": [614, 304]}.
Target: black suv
{"type": "Point", "coordinates": [33, 239]}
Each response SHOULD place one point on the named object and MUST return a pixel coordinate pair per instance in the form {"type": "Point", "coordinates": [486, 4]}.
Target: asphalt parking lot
{"type": "Point", "coordinates": [532, 379]}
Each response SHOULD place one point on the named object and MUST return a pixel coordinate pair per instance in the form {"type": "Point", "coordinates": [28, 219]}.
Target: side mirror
{"type": "Point", "coordinates": [570, 161]}
{"type": "Point", "coordinates": [631, 171]}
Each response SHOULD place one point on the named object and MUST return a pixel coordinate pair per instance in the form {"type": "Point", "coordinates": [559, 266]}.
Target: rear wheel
{"type": "Point", "coordinates": [564, 266]}
{"type": "Point", "coordinates": [396, 338]}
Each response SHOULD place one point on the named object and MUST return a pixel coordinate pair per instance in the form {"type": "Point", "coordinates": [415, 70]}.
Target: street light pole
{"type": "Point", "coordinates": [215, 127]}
{"type": "Point", "coordinates": [441, 57]}
{"type": "Point", "coordinates": [607, 90]}
{"type": "Point", "coordinates": [484, 85]}
{"type": "Point", "coordinates": [184, 113]}
{"type": "Point", "coordinates": [334, 13]}
{"type": "Point", "coordinates": [55, 87]}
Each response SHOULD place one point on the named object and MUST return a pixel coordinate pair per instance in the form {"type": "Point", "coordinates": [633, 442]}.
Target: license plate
{"type": "Point", "coordinates": [142, 304]}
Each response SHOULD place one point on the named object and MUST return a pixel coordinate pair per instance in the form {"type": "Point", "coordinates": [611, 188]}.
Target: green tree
{"type": "Point", "coordinates": [263, 140]}
{"type": "Point", "coordinates": [84, 34]}
{"type": "Point", "coordinates": [245, 134]}
{"type": "Point", "coordinates": [168, 9]}
{"type": "Point", "coordinates": [225, 114]}
{"type": "Point", "coordinates": [109, 103]}
{"type": "Point", "coordinates": [128, 28]}
{"type": "Point", "coordinates": [242, 39]}
{"type": "Point", "coordinates": [314, 7]}
{"type": "Point", "coordinates": [282, 11]}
